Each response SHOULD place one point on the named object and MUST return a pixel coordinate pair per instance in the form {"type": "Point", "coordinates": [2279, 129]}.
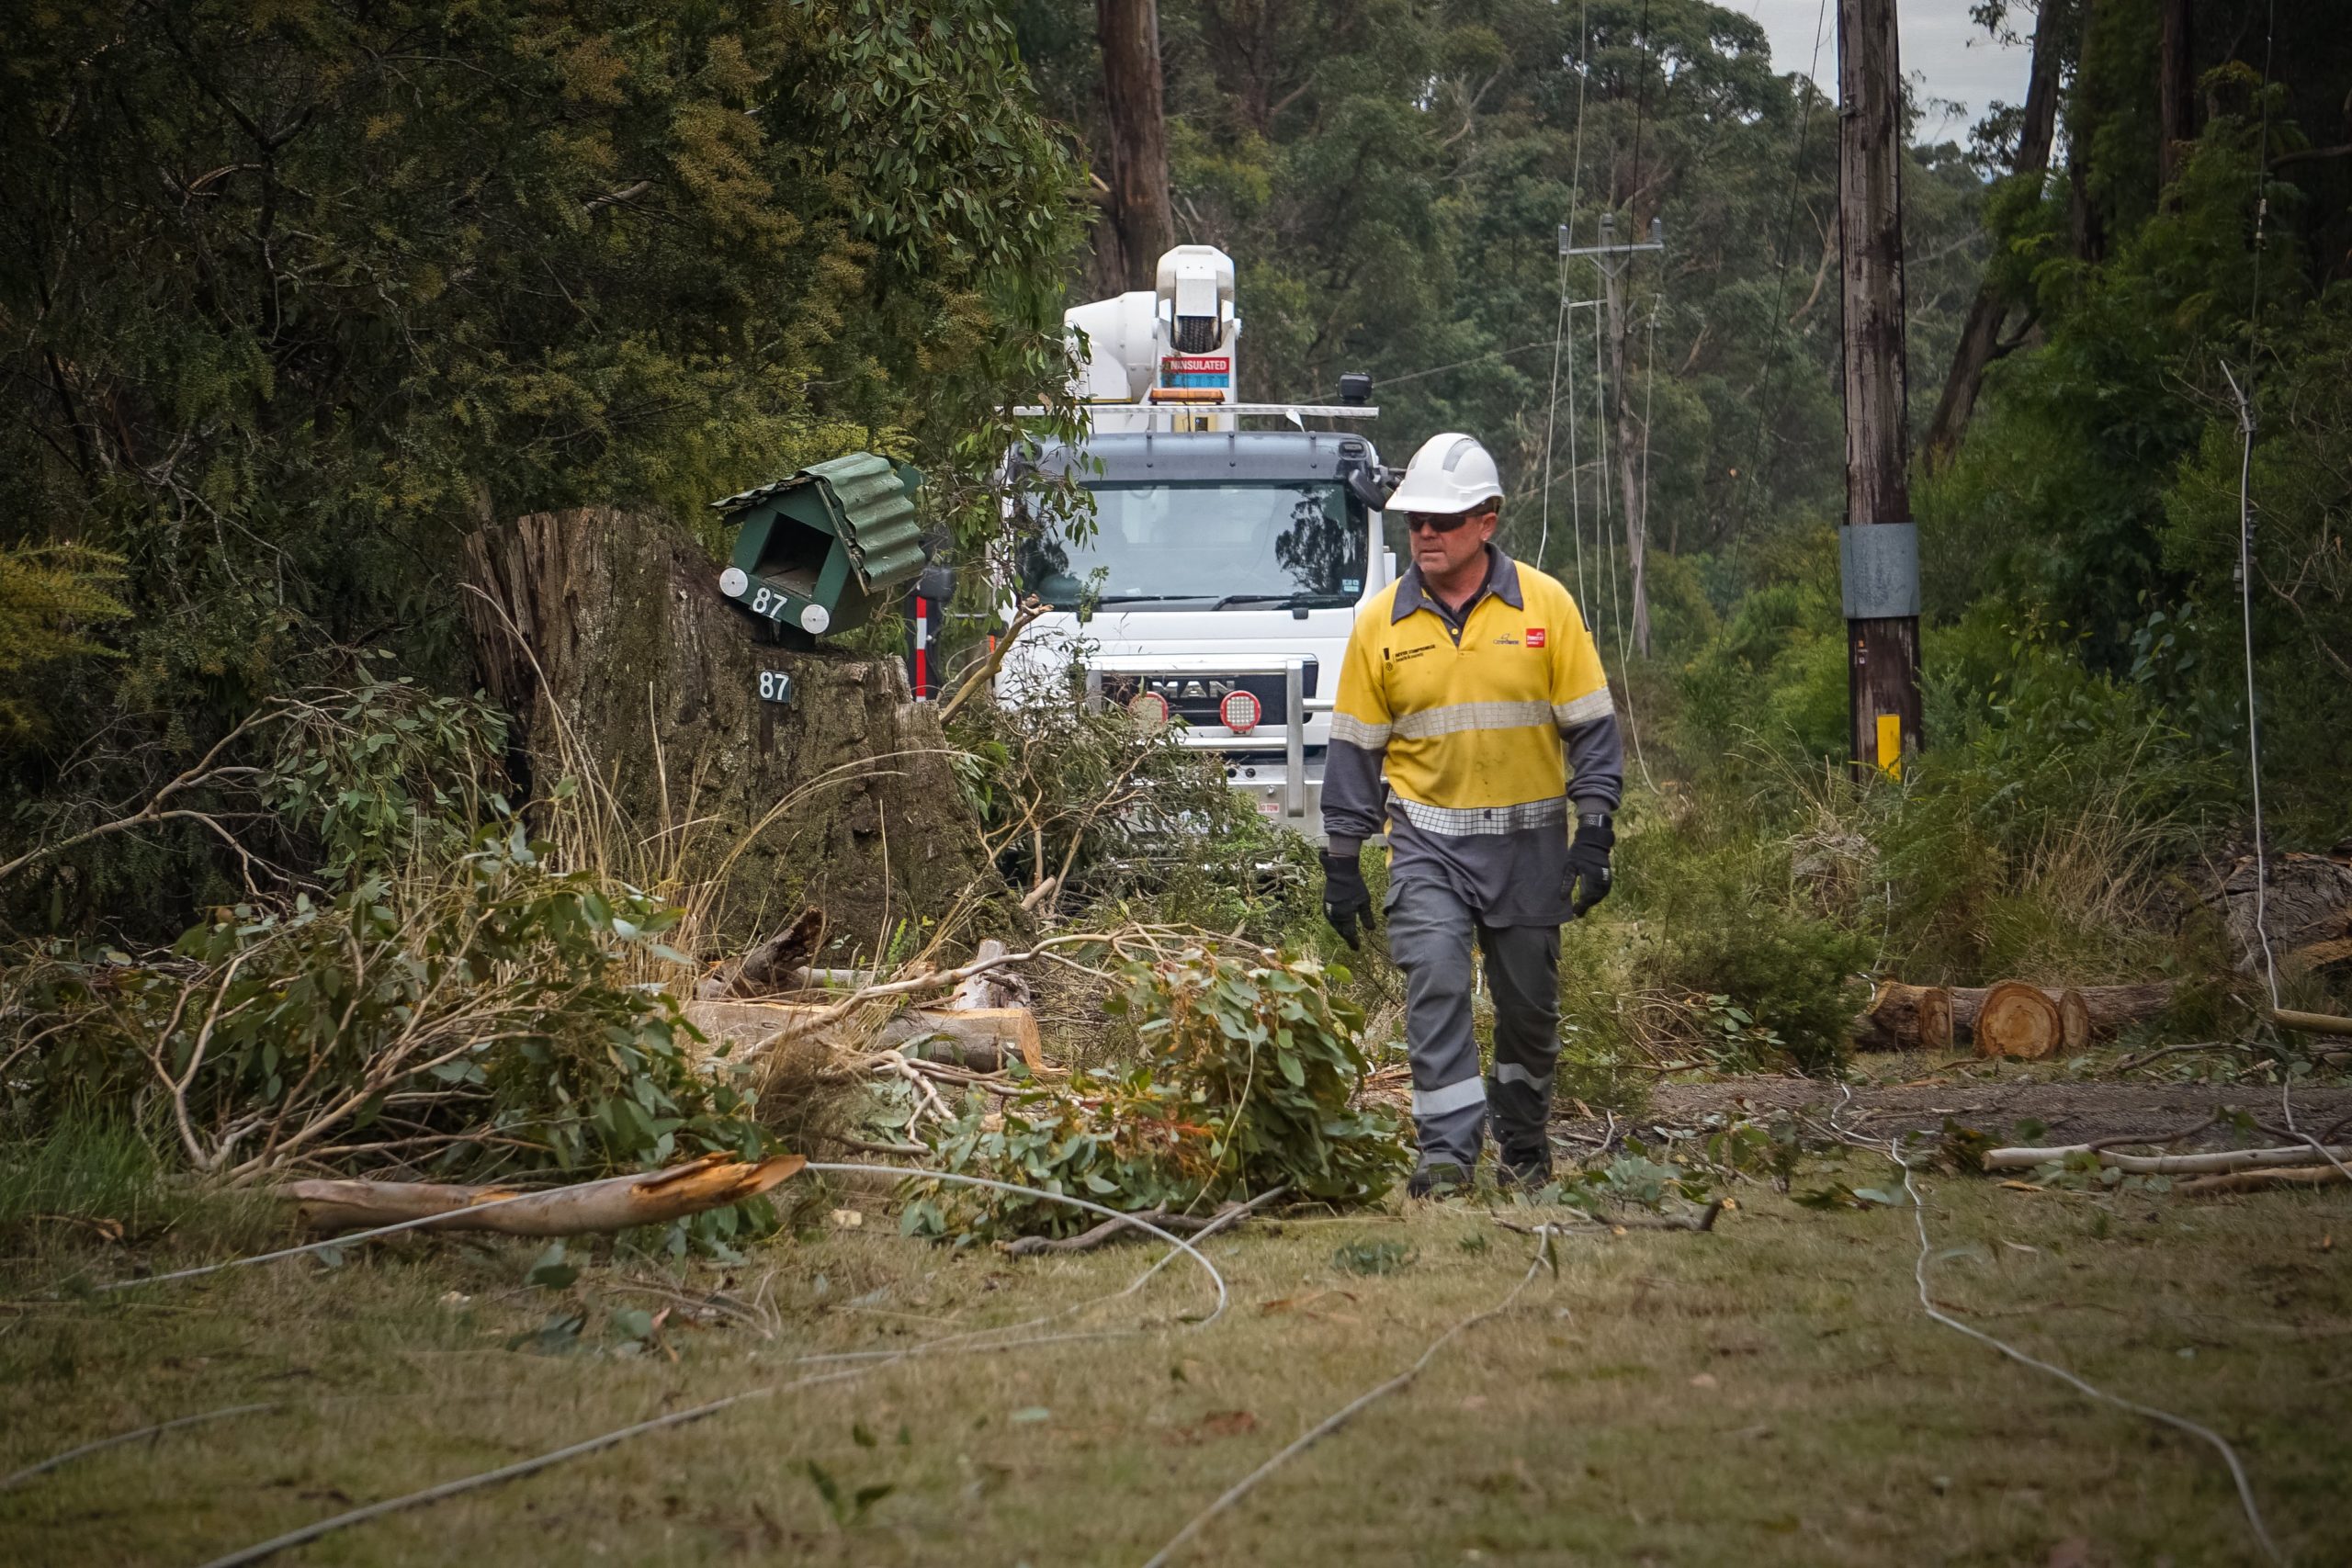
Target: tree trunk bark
{"type": "Point", "coordinates": [1980, 335]}
{"type": "Point", "coordinates": [2304, 913]}
{"type": "Point", "coordinates": [603, 631]}
{"type": "Point", "coordinates": [2176, 91]}
{"type": "Point", "coordinates": [1882, 652]}
{"type": "Point", "coordinates": [2088, 229]}
{"type": "Point", "coordinates": [1143, 222]}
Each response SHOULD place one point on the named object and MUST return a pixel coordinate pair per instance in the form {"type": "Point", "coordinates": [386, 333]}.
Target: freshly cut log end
{"type": "Point", "coordinates": [2073, 1019]}
{"type": "Point", "coordinates": [2019, 1021]}
{"type": "Point", "coordinates": [1906, 1018]}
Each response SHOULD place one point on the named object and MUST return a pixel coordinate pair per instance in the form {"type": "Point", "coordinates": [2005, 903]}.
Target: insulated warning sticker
{"type": "Point", "coordinates": [1535, 636]}
{"type": "Point", "coordinates": [1215, 370]}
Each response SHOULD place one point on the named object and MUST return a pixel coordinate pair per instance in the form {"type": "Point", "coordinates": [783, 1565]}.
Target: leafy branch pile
{"type": "Point", "coordinates": [484, 1013]}
{"type": "Point", "coordinates": [1252, 1069]}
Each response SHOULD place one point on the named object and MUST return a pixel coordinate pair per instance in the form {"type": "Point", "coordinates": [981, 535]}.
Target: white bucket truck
{"type": "Point", "coordinates": [1226, 563]}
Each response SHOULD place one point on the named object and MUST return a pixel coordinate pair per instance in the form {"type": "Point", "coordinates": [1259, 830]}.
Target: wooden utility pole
{"type": "Point", "coordinates": [1879, 546]}
{"type": "Point", "coordinates": [1143, 218]}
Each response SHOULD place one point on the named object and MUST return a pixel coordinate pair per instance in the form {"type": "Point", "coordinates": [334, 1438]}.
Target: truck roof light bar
{"type": "Point", "coordinates": [1267, 411]}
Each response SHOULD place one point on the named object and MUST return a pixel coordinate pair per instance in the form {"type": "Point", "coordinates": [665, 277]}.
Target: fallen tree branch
{"type": "Point", "coordinates": [2142, 1060]}
{"type": "Point", "coordinates": [2158, 1165]}
{"type": "Point", "coordinates": [2256, 1180]}
{"type": "Point", "coordinates": [203, 773]}
{"type": "Point", "coordinates": [1126, 1225]}
{"type": "Point", "coordinates": [656, 1198]}
{"type": "Point", "coordinates": [2284, 1018]}
{"type": "Point", "coordinates": [985, 671]}
{"type": "Point", "coordinates": [1702, 1220]}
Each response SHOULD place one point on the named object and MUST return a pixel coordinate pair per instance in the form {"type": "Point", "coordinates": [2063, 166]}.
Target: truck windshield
{"type": "Point", "coordinates": [1233, 544]}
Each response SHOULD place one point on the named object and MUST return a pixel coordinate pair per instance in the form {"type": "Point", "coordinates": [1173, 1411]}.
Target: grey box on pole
{"type": "Point", "coordinates": [1878, 567]}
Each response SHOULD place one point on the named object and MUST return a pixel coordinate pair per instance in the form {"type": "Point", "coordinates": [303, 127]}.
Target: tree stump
{"type": "Point", "coordinates": [603, 631]}
{"type": "Point", "coordinates": [2306, 910]}
{"type": "Point", "coordinates": [2020, 1020]}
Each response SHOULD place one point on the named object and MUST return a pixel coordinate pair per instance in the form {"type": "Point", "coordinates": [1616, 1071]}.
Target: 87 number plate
{"type": "Point", "coordinates": [774, 686]}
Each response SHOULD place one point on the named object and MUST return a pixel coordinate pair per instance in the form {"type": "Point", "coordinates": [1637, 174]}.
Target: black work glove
{"type": "Point", "coordinates": [1346, 899]}
{"type": "Point", "coordinates": [1587, 879]}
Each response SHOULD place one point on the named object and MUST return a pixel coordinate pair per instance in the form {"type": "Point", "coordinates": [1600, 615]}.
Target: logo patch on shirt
{"type": "Point", "coordinates": [1535, 636]}
{"type": "Point", "coordinates": [1506, 641]}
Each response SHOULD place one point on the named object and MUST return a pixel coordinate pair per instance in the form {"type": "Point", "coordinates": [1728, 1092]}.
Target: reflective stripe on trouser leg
{"type": "Point", "coordinates": [1524, 972]}
{"type": "Point", "coordinates": [1429, 932]}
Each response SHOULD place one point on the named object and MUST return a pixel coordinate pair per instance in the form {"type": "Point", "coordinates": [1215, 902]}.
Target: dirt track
{"type": "Point", "coordinates": [2074, 1112]}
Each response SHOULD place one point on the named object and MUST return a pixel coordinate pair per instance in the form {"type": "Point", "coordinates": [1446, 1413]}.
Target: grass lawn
{"type": "Point", "coordinates": [1769, 1393]}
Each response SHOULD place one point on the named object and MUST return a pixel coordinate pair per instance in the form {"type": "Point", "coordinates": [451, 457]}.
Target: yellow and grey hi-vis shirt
{"type": "Point", "coordinates": [1469, 716]}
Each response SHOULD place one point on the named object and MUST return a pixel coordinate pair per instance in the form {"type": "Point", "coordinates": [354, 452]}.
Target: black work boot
{"type": "Point", "coordinates": [1439, 1180]}
{"type": "Point", "coordinates": [1529, 1171]}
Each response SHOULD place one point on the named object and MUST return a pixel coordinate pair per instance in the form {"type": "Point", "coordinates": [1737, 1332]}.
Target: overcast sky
{"type": "Point", "coordinates": [1939, 43]}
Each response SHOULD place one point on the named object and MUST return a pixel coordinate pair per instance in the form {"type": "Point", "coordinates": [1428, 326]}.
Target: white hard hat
{"type": "Point", "coordinates": [1451, 473]}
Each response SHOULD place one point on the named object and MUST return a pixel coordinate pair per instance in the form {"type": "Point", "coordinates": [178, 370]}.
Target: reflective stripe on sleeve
{"type": "Point", "coordinates": [1454, 718]}
{"type": "Point", "coordinates": [1467, 821]}
{"type": "Point", "coordinates": [1356, 732]}
{"type": "Point", "coordinates": [1453, 1097]}
{"type": "Point", "coordinates": [1584, 710]}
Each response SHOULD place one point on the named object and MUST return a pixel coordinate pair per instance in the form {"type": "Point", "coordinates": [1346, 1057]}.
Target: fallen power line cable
{"type": "Point", "coordinates": [1348, 1412]}
{"type": "Point", "coordinates": [313, 1531]}
{"type": "Point", "coordinates": [101, 1445]}
{"type": "Point", "coordinates": [2219, 1444]}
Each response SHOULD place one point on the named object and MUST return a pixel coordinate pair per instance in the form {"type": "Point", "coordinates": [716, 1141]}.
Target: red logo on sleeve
{"type": "Point", "coordinates": [1535, 636]}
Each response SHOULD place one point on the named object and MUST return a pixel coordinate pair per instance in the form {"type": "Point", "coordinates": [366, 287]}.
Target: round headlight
{"type": "Point", "coordinates": [1240, 710]}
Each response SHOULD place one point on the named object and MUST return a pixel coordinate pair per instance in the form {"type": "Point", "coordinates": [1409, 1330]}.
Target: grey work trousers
{"type": "Point", "coordinates": [1430, 932]}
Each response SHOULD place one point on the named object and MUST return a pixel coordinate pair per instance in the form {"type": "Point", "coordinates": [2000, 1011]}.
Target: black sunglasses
{"type": "Point", "coordinates": [1435, 522]}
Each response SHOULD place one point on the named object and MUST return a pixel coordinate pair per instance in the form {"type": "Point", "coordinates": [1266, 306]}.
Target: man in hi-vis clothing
{"type": "Point", "coordinates": [1472, 683]}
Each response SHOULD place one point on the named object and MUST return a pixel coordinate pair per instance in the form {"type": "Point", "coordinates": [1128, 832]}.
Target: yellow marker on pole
{"type": "Point", "coordinates": [1890, 745]}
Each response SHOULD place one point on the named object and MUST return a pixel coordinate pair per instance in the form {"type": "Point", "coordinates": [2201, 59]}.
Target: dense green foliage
{"type": "Point", "coordinates": [297, 295]}
{"type": "Point", "coordinates": [481, 1013]}
{"type": "Point", "coordinates": [1247, 1073]}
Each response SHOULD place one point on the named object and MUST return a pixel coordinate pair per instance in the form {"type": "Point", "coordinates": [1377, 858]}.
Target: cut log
{"type": "Point", "coordinates": [2020, 1020]}
{"type": "Point", "coordinates": [656, 1198]}
{"type": "Point", "coordinates": [2073, 1019]}
{"type": "Point", "coordinates": [2311, 1022]}
{"type": "Point", "coordinates": [2255, 1180]}
{"type": "Point", "coordinates": [2105, 1011]}
{"type": "Point", "coordinates": [1906, 1018]}
{"type": "Point", "coordinates": [2162, 1165]}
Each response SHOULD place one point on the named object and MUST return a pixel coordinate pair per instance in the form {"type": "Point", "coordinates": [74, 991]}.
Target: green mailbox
{"type": "Point", "coordinates": [821, 551]}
